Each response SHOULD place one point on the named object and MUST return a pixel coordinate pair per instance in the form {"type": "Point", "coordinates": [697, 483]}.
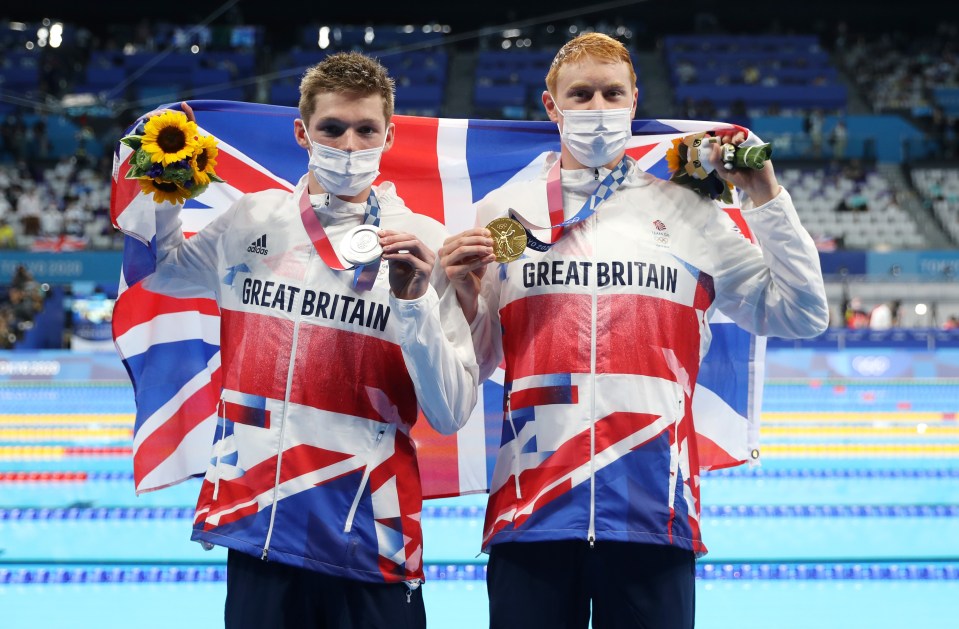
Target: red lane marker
{"type": "Point", "coordinates": [43, 477]}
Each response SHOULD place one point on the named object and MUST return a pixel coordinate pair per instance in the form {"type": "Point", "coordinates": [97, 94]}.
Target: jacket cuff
{"type": "Point", "coordinates": [411, 307]}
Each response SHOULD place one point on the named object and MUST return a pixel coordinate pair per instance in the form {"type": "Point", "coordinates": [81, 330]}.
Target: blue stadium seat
{"type": "Point", "coordinates": [808, 96]}
{"type": "Point", "coordinates": [285, 94]}
{"type": "Point", "coordinates": [948, 99]}
{"type": "Point", "coordinates": [100, 59]}
{"type": "Point", "coordinates": [416, 67]}
{"type": "Point", "coordinates": [17, 78]}
{"type": "Point", "coordinates": [98, 79]}
{"type": "Point", "coordinates": [496, 96]}
{"type": "Point", "coordinates": [309, 57]}
{"type": "Point", "coordinates": [209, 76]}
{"type": "Point", "coordinates": [24, 59]}
{"type": "Point", "coordinates": [422, 96]}
{"type": "Point", "coordinates": [151, 95]}
{"type": "Point", "coordinates": [244, 62]}
{"type": "Point", "coordinates": [225, 93]}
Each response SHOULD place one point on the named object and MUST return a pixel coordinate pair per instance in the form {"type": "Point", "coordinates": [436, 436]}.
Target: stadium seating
{"type": "Point", "coordinates": [792, 74]}
{"type": "Point", "coordinates": [940, 188]}
{"type": "Point", "coordinates": [510, 83]}
{"type": "Point", "coordinates": [860, 211]}
{"type": "Point", "coordinates": [789, 72]}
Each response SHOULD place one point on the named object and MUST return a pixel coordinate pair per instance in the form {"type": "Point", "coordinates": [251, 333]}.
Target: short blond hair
{"type": "Point", "coordinates": [346, 72]}
{"type": "Point", "coordinates": [594, 45]}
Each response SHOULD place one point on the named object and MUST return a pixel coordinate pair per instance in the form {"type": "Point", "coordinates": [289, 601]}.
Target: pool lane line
{"type": "Point", "coordinates": [738, 473]}
{"type": "Point", "coordinates": [860, 450]}
{"type": "Point", "coordinates": [776, 417]}
{"type": "Point", "coordinates": [133, 574]}
{"type": "Point", "coordinates": [54, 453]}
{"type": "Point", "coordinates": [37, 436]}
{"type": "Point", "coordinates": [60, 514]}
{"type": "Point", "coordinates": [122, 419]}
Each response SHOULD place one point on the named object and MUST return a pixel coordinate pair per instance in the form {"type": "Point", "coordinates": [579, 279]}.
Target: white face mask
{"type": "Point", "coordinates": [344, 173]}
{"type": "Point", "coordinates": [596, 137]}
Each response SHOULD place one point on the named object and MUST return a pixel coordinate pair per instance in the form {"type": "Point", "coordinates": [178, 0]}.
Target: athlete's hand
{"type": "Point", "coordinates": [761, 185]}
{"type": "Point", "coordinates": [186, 109]}
{"type": "Point", "coordinates": [411, 263]}
{"type": "Point", "coordinates": [464, 258]}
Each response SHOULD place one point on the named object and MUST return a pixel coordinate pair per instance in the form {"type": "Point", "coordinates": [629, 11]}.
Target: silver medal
{"type": "Point", "coordinates": [361, 245]}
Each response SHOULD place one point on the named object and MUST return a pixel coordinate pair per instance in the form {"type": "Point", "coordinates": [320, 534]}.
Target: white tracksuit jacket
{"type": "Point", "coordinates": [602, 338]}
{"type": "Point", "coordinates": [313, 464]}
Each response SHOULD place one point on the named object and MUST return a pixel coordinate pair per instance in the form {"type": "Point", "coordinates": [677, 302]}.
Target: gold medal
{"type": "Point", "coordinates": [509, 239]}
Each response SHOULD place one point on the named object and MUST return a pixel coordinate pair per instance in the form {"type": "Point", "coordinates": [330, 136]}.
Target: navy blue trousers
{"type": "Point", "coordinates": [262, 594]}
{"type": "Point", "coordinates": [555, 585]}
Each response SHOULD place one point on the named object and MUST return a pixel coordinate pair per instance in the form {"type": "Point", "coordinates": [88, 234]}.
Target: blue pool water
{"type": "Point", "coordinates": [865, 538]}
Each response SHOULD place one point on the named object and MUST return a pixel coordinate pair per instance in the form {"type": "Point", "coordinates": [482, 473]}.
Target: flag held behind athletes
{"type": "Point", "coordinates": [441, 167]}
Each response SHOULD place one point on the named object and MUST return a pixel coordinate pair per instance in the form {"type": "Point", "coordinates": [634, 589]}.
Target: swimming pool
{"type": "Point", "coordinates": [851, 521]}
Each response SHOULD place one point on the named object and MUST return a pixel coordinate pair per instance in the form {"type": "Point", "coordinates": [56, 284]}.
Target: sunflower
{"type": "Point", "coordinates": [169, 137]}
{"type": "Point", "coordinates": [204, 160]}
{"type": "Point", "coordinates": [163, 190]}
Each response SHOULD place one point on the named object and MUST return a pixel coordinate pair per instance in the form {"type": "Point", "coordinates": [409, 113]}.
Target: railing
{"type": "Point", "coordinates": [906, 338]}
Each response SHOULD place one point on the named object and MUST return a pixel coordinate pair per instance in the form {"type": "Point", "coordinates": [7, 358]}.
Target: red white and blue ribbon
{"type": "Point", "coordinates": [554, 202]}
{"type": "Point", "coordinates": [363, 276]}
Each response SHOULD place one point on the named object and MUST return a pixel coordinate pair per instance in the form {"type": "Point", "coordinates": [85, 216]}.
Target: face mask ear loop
{"type": "Point", "coordinates": [561, 113]}
{"type": "Point", "coordinates": [306, 132]}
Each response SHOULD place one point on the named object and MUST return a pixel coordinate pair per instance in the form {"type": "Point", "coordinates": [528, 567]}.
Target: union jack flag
{"type": "Point", "coordinates": [63, 242]}
{"type": "Point", "coordinates": [441, 167]}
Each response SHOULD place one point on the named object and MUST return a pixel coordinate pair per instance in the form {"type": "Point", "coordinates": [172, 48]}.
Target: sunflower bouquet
{"type": "Point", "coordinates": [171, 160]}
{"type": "Point", "coordinates": [688, 164]}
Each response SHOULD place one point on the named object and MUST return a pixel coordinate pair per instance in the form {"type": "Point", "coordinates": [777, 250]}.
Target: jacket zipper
{"type": "Point", "coordinates": [591, 533]}
{"type": "Point", "coordinates": [516, 465]}
{"type": "Point", "coordinates": [411, 586]}
{"type": "Point", "coordinates": [221, 420]}
{"type": "Point", "coordinates": [286, 410]}
{"type": "Point", "coordinates": [370, 464]}
{"type": "Point", "coordinates": [674, 457]}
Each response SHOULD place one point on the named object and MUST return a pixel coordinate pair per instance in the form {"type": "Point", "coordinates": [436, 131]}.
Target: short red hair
{"type": "Point", "coordinates": [592, 45]}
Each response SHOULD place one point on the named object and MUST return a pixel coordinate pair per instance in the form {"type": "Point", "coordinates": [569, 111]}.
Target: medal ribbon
{"type": "Point", "coordinates": [554, 201]}
{"type": "Point", "coordinates": [363, 276]}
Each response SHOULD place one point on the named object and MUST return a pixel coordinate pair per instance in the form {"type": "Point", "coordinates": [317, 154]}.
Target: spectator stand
{"type": "Point", "coordinates": [421, 78]}
{"type": "Point", "coordinates": [851, 206]}
{"type": "Point", "coordinates": [752, 75]}
{"type": "Point", "coordinates": [157, 79]}
{"type": "Point", "coordinates": [899, 72]}
{"type": "Point", "coordinates": [22, 307]}
{"type": "Point", "coordinates": [411, 54]}
{"type": "Point", "coordinates": [939, 187]}
{"type": "Point", "coordinates": [914, 77]}
{"type": "Point", "coordinates": [879, 138]}
{"type": "Point", "coordinates": [20, 73]}
{"type": "Point", "coordinates": [510, 82]}
{"type": "Point", "coordinates": [65, 208]}
{"type": "Point", "coordinates": [947, 97]}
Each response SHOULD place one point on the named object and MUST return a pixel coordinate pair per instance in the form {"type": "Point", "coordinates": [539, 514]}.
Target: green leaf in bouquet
{"type": "Point", "coordinates": [133, 141]}
{"type": "Point", "coordinates": [177, 173]}
{"type": "Point", "coordinates": [198, 190]}
{"type": "Point", "coordinates": [141, 159]}
{"type": "Point", "coordinates": [140, 166]}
